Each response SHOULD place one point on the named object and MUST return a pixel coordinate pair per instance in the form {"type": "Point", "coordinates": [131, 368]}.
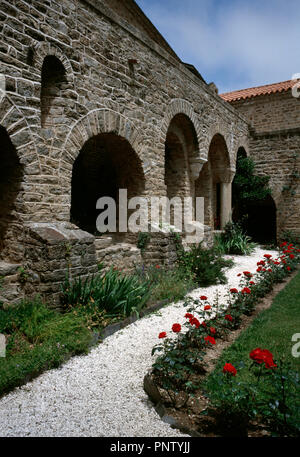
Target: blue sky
{"type": "Point", "coordinates": [235, 43]}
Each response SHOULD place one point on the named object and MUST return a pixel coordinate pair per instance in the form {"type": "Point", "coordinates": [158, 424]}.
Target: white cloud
{"type": "Point", "coordinates": [236, 43]}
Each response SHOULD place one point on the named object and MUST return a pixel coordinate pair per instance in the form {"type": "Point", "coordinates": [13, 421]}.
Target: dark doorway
{"type": "Point", "coordinates": [105, 164]}
{"type": "Point", "coordinates": [11, 173]}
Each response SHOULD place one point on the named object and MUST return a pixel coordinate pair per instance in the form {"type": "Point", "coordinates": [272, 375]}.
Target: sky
{"type": "Point", "coordinates": [234, 43]}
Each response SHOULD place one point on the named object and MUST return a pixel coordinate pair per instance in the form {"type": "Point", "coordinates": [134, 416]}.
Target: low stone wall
{"type": "Point", "coordinates": [51, 251]}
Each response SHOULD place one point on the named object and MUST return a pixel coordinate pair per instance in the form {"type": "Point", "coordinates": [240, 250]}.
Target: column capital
{"type": "Point", "coordinates": [196, 165]}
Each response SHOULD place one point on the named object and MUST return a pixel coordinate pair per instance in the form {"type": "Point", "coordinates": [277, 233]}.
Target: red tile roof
{"type": "Point", "coordinates": [260, 90]}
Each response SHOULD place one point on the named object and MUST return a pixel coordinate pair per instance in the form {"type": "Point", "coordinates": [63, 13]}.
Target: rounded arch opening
{"type": "Point", "coordinates": [260, 222]}
{"type": "Point", "coordinates": [105, 164]}
{"type": "Point", "coordinates": [11, 175]}
{"type": "Point", "coordinates": [211, 182]}
{"type": "Point", "coordinates": [53, 84]}
{"type": "Point", "coordinates": [180, 146]}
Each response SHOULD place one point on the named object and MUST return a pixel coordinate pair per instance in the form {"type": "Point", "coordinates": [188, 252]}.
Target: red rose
{"type": "Point", "coordinates": [162, 335]}
{"type": "Point", "coordinates": [247, 273]}
{"type": "Point", "coordinates": [228, 368]}
{"type": "Point", "coordinates": [212, 330]}
{"type": "Point", "coordinates": [203, 297]}
{"type": "Point", "coordinates": [228, 317]}
{"type": "Point", "coordinates": [252, 283]}
{"type": "Point", "coordinates": [288, 268]}
{"type": "Point", "coordinates": [234, 291]}
{"type": "Point", "coordinates": [194, 321]}
{"type": "Point", "coordinates": [263, 356]}
{"type": "Point", "coordinates": [267, 256]}
{"type": "Point", "coordinates": [210, 339]}
{"type": "Point", "coordinates": [292, 256]}
{"type": "Point", "coordinates": [189, 316]}
{"type": "Point", "coordinates": [176, 328]}
{"type": "Point", "coordinates": [246, 290]}
{"type": "Point", "coordinates": [270, 270]}
{"type": "Point", "coordinates": [259, 269]}
{"type": "Point", "coordinates": [204, 324]}
{"type": "Point", "coordinates": [283, 244]}
{"type": "Point", "coordinates": [157, 266]}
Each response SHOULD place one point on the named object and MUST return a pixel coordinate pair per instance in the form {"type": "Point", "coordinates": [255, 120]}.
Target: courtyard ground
{"type": "Point", "coordinates": [101, 394]}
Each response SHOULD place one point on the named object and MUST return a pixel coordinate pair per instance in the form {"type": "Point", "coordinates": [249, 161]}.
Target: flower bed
{"type": "Point", "coordinates": [179, 370]}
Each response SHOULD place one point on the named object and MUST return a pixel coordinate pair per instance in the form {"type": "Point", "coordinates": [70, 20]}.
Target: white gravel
{"type": "Point", "coordinates": [101, 394]}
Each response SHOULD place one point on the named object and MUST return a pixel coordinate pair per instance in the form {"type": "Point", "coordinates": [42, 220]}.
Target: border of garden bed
{"type": "Point", "coordinates": [153, 392]}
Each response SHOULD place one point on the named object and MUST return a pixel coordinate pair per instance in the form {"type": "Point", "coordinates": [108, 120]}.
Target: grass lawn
{"type": "Point", "coordinates": [270, 395]}
{"type": "Point", "coordinates": [272, 329]}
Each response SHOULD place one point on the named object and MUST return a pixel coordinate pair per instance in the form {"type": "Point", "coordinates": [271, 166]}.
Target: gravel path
{"type": "Point", "coordinates": [101, 394]}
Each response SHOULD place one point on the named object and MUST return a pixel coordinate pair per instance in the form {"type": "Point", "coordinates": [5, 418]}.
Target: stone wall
{"type": "Point", "coordinates": [275, 147]}
{"type": "Point", "coordinates": [76, 70]}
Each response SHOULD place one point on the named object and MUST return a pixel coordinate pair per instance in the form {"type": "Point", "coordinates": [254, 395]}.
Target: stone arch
{"type": "Point", "coordinates": [96, 122]}
{"type": "Point", "coordinates": [219, 129]}
{"type": "Point", "coordinates": [214, 183]}
{"type": "Point", "coordinates": [180, 106]}
{"type": "Point", "coordinates": [16, 125]}
{"type": "Point", "coordinates": [44, 49]}
{"type": "Point", "coordinates": [106, 163]}
{"type": "Point", "coordinates": [56, 77]}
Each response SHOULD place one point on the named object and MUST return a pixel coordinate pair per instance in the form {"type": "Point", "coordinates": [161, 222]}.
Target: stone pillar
{"type": "Point", "coordinates": [225, 213]}
{"type": "Point", "coordinates": [226, 186]}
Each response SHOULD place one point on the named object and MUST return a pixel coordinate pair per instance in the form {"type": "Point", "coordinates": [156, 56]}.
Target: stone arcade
{"type": "Point", "coordinates": [96, 100]}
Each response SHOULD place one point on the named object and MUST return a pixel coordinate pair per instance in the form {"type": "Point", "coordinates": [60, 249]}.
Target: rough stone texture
{"type": "Point", "coordinates": [275, 147]}
{"type": "Point", "coordinates": [51, 251]}
{"type": "Point", "coordinates": [76, 71]}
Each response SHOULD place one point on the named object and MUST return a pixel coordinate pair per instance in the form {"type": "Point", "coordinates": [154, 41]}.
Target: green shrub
{"type": "Point", "coordinates": [111, 291]}
{"type": "Point", "coordinates": [205, 265]}
{"type": "Point", "coordinates": [233, 240]}
{"type": "Point", "coordinates": [167, 284]}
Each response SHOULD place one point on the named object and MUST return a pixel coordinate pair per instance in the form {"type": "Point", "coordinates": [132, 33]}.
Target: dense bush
{"type": "Point", "coordinates": [205, 265]}
{"type": "Point", "coordinates": [112, 291]}
{"type": "Point", "coordinates": [233, 240]}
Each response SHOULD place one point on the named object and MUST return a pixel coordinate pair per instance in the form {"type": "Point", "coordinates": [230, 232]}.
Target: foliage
{"type": "Point", "coordinates": [245, 389]}
{"type": "Point", "coordinates": [246, 186]}
{"type": "Point", "coordinates": [112, 291]}
{"type": "Point", "coordinates": [290, 238]}
{"type": "Point", "coordinates": [205, 265]}
{"type": "Point", "coordinates": [178, 361]}
{"type": "Point", "coordinates": [38, 339]}
{"type": "Point", "coordinates": [233, 240]}
{"type": "Point", "coordinates": [143, 240]}
{"type": "Point", "coordinates": [166, 284]}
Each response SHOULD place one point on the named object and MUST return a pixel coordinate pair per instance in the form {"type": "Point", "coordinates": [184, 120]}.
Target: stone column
{"type": "Point", "coordinates": [226, 186]}
{"type": "Point", "coordinates": [196, 165]}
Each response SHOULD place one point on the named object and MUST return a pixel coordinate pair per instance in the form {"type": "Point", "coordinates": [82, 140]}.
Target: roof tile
{"type": "Point", "coordinates": [283, 86]}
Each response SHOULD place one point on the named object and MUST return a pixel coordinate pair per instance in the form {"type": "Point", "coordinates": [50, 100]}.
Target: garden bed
{"type": "Point", "coordinates": [197, 417]}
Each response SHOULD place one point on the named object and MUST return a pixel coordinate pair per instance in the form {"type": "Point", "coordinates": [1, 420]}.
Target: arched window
{"type": "Point", "coordinates": [105, 164]}
{"type": "Point", "coordinates": [53, 84]}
